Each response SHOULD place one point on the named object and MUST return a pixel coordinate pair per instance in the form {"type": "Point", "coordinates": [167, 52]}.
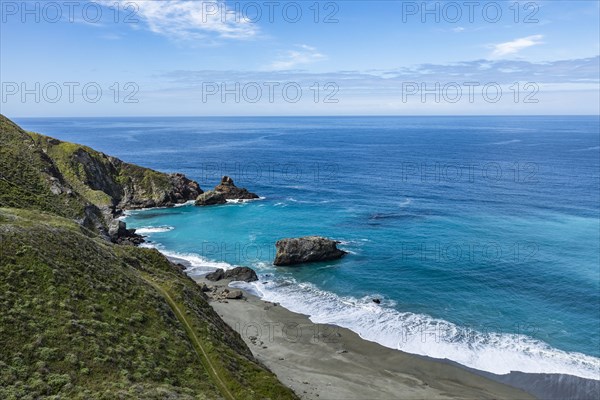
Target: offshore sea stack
{"type": "Point", "coordinates": [232, 192]}
{"type": "Point", "coordinates": [291, 251]}
{"type": "Point", "coordinates": [210, 198]}
{"type": "Point", "coordinates": [226, 190]}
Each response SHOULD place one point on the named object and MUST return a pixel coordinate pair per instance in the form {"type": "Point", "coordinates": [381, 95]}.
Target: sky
{"type": "Point", "coordinates": [188, 58]}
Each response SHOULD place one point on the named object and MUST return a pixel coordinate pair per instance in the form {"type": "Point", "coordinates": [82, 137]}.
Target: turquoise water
{"type": "Point", "coordinates": [480, 234]}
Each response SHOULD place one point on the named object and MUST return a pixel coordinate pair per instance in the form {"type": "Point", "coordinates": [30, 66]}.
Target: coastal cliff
{"type": "Point", "coordinates": [86, 318]}
{"type": "Point", "coordinates": [74, 181]}
{"type": "Point", "coordinates": [109, 182]}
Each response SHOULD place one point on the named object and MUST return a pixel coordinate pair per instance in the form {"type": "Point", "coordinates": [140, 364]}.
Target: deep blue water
{"type": "Point", "coordinates": [480, 234]}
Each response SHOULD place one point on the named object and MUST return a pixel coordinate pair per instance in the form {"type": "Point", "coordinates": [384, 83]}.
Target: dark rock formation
{"type": "Point", "coordinates": [237, 274]}
{"type": "Point", "coordinates": [306, 249]}
{"type": "Point", "coordinates": [118, 233]}
{"type": "Point", "coordinates": [216, 276]}
{"type": "Point", "coordinates": [232, 192]}
{"type": "Point", "coordinates": [241, 274]}
{"type": "Point", "coordinates": [224, 191]}
{"type": "Point", "coordinates": [116, 230]}
{"type": "Point", "coordinates": [145, 188]}
{"type": "Point", "coordinates": [210, 198]}
{"type": "Point", "coordinates": [222, 295]}
{"type": "Point", "coordinates": [234, 294]}
{"type": "Point", "coordinates": [377, 301]}
{"type": "Point", "coordinates": [117, 184]}
{"type": "Point", "coordinates": [178, 267]}
{"type": "Point", "coordinates": [183, 188]}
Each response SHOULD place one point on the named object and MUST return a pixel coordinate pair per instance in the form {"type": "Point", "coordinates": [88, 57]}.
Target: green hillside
{"type": "Point", "coordinates": [75, 181]}
{"type": "Point", "coordinates": [29, 179]}
{"type": "Point", "coordinates": [83, 318]}
{"type": "Point", "coordinates": [108, 182]}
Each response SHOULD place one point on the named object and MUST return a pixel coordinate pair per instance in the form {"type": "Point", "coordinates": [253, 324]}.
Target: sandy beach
{"type": "Point", "coordinates": [327, 362]}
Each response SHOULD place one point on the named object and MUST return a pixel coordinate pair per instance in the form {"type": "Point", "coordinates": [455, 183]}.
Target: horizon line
{"type": "Point", "coordinates": [309, 116]}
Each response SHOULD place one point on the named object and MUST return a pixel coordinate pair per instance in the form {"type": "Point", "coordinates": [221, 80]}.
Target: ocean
{"type": "Point", "coordinates": [480, 235]}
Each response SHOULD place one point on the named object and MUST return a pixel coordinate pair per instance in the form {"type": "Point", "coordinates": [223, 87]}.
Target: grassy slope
{"type": "Point", "coordinates": [101, 179]}
{"type": "Point", "coordinates": [83, 318]}
{"type": "Point", "coordinates": [86, 319]}
{"type": "Point", "coordinates": [25, 176]}
{"type": "Point", "coordinates": [62, 155]}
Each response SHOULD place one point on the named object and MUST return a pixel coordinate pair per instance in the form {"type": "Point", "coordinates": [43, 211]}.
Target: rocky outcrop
{"type": "Point", "coordinates": [306, 249]}
{"type": "Point", "coordinates": [222, 294]}
{"type": "Point", "coordinates": [110, 183]}
{"type": "Point", "coordinates": [75, 181]}
{"type": "Point", "coordinates": [226, 190]}
{"type": "Point", "coordinates": [183, 188]}
{"type": "Point", "coordinates": [234, 295]}
{"type": "Point", "coordinates": [118, 233]}
{"type": "Point", "coordinates": [232, 192]}
{"type": "Point", "coordinates": [241, 274]}
{"type": "Point", "coordinates": [216, 275]}
{"type": "Point", "coordinates": [237, 274]}
{"type": "Point", "coordinates": [147, 188]}
{"type": "Point", "coordinates": [210, 198]}
{"type": "Point", "coordinates": [31, 179]}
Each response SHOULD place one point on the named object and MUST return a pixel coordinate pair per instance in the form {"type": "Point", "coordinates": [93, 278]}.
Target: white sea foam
{"type": "Point", "coordinates": [196, 265]}
{"type": "Point", "coordinates": [349, 251]}
{"type": "Point", "coordinates": [593, 148]}
{"type": "Point", "coordinates": [352, 245]}
{"type": "Point", "coordinates": [127, 213]}
{"type": "Point", "coordinates": [153, 229]}
{"type": "Point", "coordinates": [240, 201]}
{"type": "Point", "coordinates": [186, 204]}
{"type": "Point", "coordinates": [508, 142]}
{"type": "Point", "coordinates": [406, 202]}
{"type": "Point", "coordinates": [352, 242]}
{"type": "Point", "coordinates": [293, 200]}
{"type": "Point", "coordinates": [494, 352]}
{"type": "Point", "coordinates": [124, 215]}
{"type": "Point", "coordinates": [344, 243]}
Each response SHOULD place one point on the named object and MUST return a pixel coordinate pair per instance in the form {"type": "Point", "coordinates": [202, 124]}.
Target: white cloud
{"type": "Point", "coordinates": [191, 20]}
{"type": "Point", "coordinates": [458, 29]}
{"type": "Point", "coordinates": [512, 47]}
{"type": "Point", "coordinates": [292, 58]}
{"type": "Point", "coordinates": [575, 71]}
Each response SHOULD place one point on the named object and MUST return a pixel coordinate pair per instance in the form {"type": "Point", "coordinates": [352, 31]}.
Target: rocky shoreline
{"type": "Point", "coordinates": [94, 189]}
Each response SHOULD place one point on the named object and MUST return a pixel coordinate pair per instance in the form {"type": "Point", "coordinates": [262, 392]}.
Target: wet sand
{"type": "Point", "coordinates": [327, 362]}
